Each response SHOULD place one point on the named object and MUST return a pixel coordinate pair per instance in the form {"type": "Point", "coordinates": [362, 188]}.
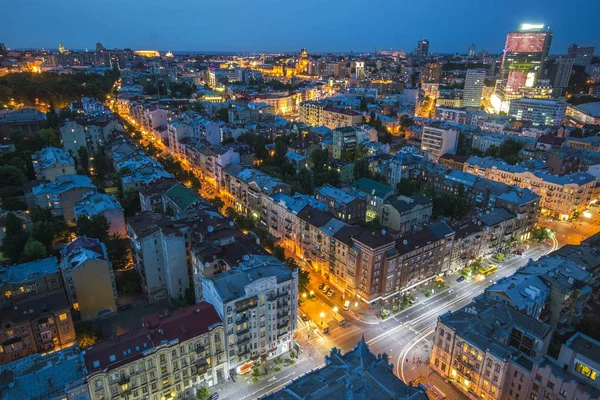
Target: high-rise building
{"type": "Point", "coordinates": [524, 55]}
{"type": "Point", "coordinates": [422, 48]}
{"type": "Point", "coordinates": [538, 111]}
{"type": "Point", "coordinates": [582, 55]}
{"type": "Point", "coordinates": [472, 51]}
{"type": "Point", "coordinates": [472, 93]}
{"type": "Point", "coordinates": [432, 73]}
{"type": "Point", "coordinates": [559, 74]}
{"type": "Point", "coordinates": [438, 139]}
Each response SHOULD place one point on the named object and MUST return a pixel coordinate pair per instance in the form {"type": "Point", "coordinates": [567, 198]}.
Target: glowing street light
{"type": "Point", "coordinates": [322, 316]}
{"type": "Point", "coordinates": [335, 310]}
{"type": "Point", "coordinates": [312, 293]}
{"type": "Point", "coordinates": [304, 295]}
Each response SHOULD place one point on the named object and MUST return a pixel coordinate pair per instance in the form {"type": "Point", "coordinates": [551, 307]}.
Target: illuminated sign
{"type": "Point", "coordinates": [529, 27]}
{"type": "Point", "coordinates": [518, 42]}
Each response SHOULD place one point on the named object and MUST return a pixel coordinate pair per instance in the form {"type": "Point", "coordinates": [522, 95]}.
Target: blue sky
{"type": "Point", "coordinates": [279, 25]}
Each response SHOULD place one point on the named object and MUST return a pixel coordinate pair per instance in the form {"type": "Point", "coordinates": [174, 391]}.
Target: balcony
{"type": "Point", "coordinates": [199, 349]}
{"type": "Point", "coordinates": [241, 341]}
{"type": "Point", "coordinates": [241, 320]}
{"type": "Point", "coordinates": [281, 325]}
{"type": "Point", "coordinates": [244, 307]}
{"type": "Point", "coordinates": [243, 330]}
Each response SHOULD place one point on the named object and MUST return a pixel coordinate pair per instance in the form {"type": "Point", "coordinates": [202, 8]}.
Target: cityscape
{"type": "Point", "coordinates": [403, 223]}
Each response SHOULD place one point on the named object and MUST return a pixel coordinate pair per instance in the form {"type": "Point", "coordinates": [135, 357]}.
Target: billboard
{"type": "Point", "coordinates": [530, 42]}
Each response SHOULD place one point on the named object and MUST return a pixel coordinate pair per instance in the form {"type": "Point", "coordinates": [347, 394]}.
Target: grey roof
{"type": "Point", "coordinates": [357, 374]}
{"type": "Point", "coordinates": [418, 200]}
{"type": "Point", "coordinates": [496, 216]}
{"type": "Point", "coordinates": [27, 272]}
{"type": "Point", "coordinates": [592, 109]}
{"type": "Point", "coordinates": [231, 284]}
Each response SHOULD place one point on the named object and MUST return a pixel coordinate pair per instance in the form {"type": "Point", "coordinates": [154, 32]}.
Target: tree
{"type": "Point", "coordinates": [203, 393]}
{"type": "Point", "coordinates": [50, 136]}
{"type": "Point", "coordinates": [101, 166]}
{"type": "Point", "coordinates": [95, 227]}
{"type": "Point", "coordinates": [279, 252]}
{"type": "Point", "coordinates": [361, 170]}
{"type": "Point", "coordinates": [43, 232]}
{"type": "Point", "coordinates": [364, 105]}
{"type": "Point", "coordinates": [130, 201]}
{"type": "Point", "coordinates": [87, 334]}
{"type": "Point", "coordinates": [84, 159]}
{"type": "Point", "coordinates": [11, 176]}
{"type": "Point", "coordinates": [408, 187]}
{"type": "Point", "coordinates": [128, 282]}
{"type": "Point", "coordinates": [33, 251]}
{"type": "Point", "coordinates": [303, 276]}
{"type": "Point", "coordinates": [118, 251]}
{"type": "Point", "coordinates": [218, 202]}
{"type": "Point", "coordinates": [590, 326]}
{"type": "Point", "coordinates": [540, 234]}
{"type": "Point", "coordinates": [222, 114]}
{"type": "Point", "coordinates": [319, 159]}
{"type": "Point", "coordinates": [15, 239]}
{"type": "Point", "coordinates": [12, 203]}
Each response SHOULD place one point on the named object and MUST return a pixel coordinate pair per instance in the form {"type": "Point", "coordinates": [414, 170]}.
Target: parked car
{"type": "Point", "coordinates": [346, 305]}
{"type": "Point", "coordinates": [460, 279]}
{"type": "Point", "coordinates": [321, 286]}
{"type": "Point", "coordinates": [519, 251]}
{"type": "Point", "coordinates": [214, 396]}
{"type": "Point", "coordinates": [325, 289]}
{"type": "Point", "coordinates": [330, 293]}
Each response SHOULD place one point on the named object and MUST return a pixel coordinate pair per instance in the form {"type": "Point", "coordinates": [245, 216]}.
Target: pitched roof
{"type": "Point", "coordinates": [182, 196]}
{"type": "Point", "coordinates": [182, 325]}
{"type": "Point", "coordinates": [372, 188]}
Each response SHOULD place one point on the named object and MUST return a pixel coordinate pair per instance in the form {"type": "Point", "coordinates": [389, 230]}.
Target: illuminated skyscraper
{"type": "Point", "coordinates": [582, 55]}
{"type": "Point", "coordinates": [472, 51]}
{"type": "Point", "coordinates": [472, 93]}
{"type": "Point", "coordinates": [524, 56]}
{"type": "Point", "coordinates": [422, 48]}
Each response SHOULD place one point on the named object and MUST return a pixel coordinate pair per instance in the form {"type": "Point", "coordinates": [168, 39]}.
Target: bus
{"type": "Point", "coordinates": [487, 271]}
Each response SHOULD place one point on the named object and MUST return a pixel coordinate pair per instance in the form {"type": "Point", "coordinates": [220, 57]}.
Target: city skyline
{"type": "Point", "coordinates": [243, 28]}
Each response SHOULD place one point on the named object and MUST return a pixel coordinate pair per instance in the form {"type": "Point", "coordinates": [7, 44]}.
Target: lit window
{"type": "Point", "coordinates": [62, 317]}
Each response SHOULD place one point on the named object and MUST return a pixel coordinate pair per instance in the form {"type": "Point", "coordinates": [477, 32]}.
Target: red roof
{"type": "Point", "coordinates": [183, 324]}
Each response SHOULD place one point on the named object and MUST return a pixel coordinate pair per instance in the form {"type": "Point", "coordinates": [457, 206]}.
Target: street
{"type": "Point", "coordinates": [576, 231]}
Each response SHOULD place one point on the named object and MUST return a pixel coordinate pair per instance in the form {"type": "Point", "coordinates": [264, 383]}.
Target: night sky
{"type": "Point", "coordinates": [280, 25]}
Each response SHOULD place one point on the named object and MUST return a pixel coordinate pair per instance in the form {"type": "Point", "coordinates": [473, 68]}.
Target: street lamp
{"type": "Point", "coordinates": [304, 295]}
{"type": "Point", "coordinates": [335, 310]}
{"type": "Point", "coordinates": [312, 293]}
{"type": "Point", "coordinates": [322, 316]}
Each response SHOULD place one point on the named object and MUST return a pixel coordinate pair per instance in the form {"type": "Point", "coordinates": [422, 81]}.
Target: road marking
{"type": "Point", "coordinates": [407, 349]}
{"type": "Point", "coordinates": [264, 387]}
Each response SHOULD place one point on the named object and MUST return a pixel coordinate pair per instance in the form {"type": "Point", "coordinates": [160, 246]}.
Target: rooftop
{"type": "Point", "coordinates": [157, 329]}
{"type": "Point", "coordinates": [182, 196]}
{"type": "Point", "coordinates": [93, 203]}
{"type": "Point", "coordinates": [50, 156]}
{"type": "Point", "coordinates": [372, 188]}
{"type": "Point", "coordinates": [335, 194]}
{"type": "Point", "coordinates": [28, 272]}
{"type": "Point", "coordinates": [357, 374]}
{"type": "Point", "coordinates": [63, 184]}
{"type": "Point", "coordinates": [592, 109]}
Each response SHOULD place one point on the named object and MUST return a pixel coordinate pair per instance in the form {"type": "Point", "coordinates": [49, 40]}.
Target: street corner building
{"type": "Point", "coordinates": [357, 374]}
{"type": "Point", "coordinates": [171, 355]}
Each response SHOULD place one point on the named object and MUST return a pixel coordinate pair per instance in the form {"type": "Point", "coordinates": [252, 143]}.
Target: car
{"type": "Point", "coordinates": [321, 286]}
{"type": "Point", "coordinates": [460, 279]}
{"type": "Point", "coordinates": [124, 307]}
{"type": "Point", "coordinates": [346, 305]}
{"type": "Point", "coordinates": [330, 293]}
{"type": "Point", "coordinates": [519, 251]}
{"type": "Point", "coordinates": [325, 289]}
{"type": "Point", "coordinates": [304, 318]}
{"type": "Point", "coordinates": [214, 396]}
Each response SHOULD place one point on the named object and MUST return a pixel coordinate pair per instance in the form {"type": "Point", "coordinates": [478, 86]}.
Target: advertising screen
{"type": "Point", "coordinates": [517, 42]}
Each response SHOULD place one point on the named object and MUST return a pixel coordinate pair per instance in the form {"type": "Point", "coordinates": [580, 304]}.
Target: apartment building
{"type": "Point", "coordinates": [406, 213]}
{"type": "Point", "coordinates": [35, 323]}
{"type": "Point", "coordinates": [55, 376]}
{"type": "Point", "coordinates": [90, 132]}
{"type": "Point", "coordinates": [347, 207]}
{"type": "Point", "coordinates": [377, 194]}
{"type": "Point", "coordinates": [107, 205]}
{"type": "Point", "coordinates": [311, 113]}
{"type": "Point", "coordinates": [474, 347]}
{"type": "Point", "coordinates": [88, 278]}
{"type": "Point", "coordinates": [171, 355]}
{"type": "Point", "coordinates": [39, 276]}
{"type": "Point", "coordinates": [249, 187]}
{"type": "Point", "coordinates": [438, 140]}
{"type": "Point", "coordinates": [51, 162]}
{"type": "Point", "coordinates": [151, 195]}
{"type": "Point", "coordinates": [561, 196]}
{"type": "Point", "coordinates": [538, 111]}
{"type": "Point", "coordinates": [62, 195]}
{"type": "Point", "coordinates": [526, 293]}
{"type": "Point", "coordinates": [346, 139]}
{"type": "Point", "coordinates": [257, 302]}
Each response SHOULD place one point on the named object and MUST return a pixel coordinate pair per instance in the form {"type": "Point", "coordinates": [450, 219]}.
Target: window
{"type": "Point", "coordinates": [585, 371]}
{"type": "Point", "coordinates": [62, 317]}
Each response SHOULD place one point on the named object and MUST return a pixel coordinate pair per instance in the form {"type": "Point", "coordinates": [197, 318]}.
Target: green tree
{"type": "Point", "coordinates": [118, 251]}
{"type": "Point", "coordinates": [361, 170]}
{"type": "Point", "coordinates": [203, 393]}
{"type": "Point", "coordinates": [87, 334]}
{"type": "Point", "coordinates": [101, 166]}
{"type": "Point", "coordinates": [279, 252]}
{"type": "Point", "coordinates": [128, 282]}
{"type": "Point", "coordinates": [319, 158]}
{"type": "Point", "coordinates": [11, 203]}
{"type": "Point", "coordinates": [130, 201]}
{"type": "Point", "coordinates": [364, 105]}
{"type": "Point", "coordinates": [223, 114]}
{"type": "Point", "coordinates": [43, 232]}
{"type": "Point", "coordinates": [50, 136]}
{"type": "Point", "coordinates": [11, 176]}
{"type": "Point", "coordinates": [33, 251]}
{"type": "Point", "coordinates": [218, 202]}
{"type": "Point", "coordinates": [15, 239]}
{"type": "Point", "coordinates": [95, 227]}
{"type": "Point", "coordinates": [84, 159]}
